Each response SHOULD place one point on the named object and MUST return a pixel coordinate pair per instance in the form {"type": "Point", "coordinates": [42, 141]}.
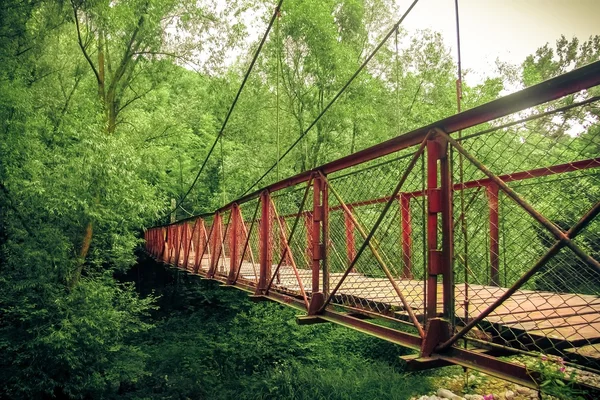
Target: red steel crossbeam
{"type": "Point", "coordinates": [216, 243]}
{"type": "Point", "coordinates": [206, 249]}
{"type": "Point", "coordinates": [200, 244]}
{"type": "Point", "coordinates": [247, 232]}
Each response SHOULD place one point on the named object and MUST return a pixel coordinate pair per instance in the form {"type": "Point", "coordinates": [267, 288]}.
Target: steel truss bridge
{"type": "Point", "coordinates": [468, 240]}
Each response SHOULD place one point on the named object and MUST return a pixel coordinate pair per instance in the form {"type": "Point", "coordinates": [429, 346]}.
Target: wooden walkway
{"type": "Point", "coordinates": [567, 321]}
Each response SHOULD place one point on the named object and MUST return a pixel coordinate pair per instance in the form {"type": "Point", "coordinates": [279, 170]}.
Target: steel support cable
{"type": "Point", "coordinates": [338, 94]}
{"type": "Point", "coordinates": [277, 38]}
{"type": "Point", "coordinates": [461, 173]}
{"type": "Point", "coordinates": [237, 96]}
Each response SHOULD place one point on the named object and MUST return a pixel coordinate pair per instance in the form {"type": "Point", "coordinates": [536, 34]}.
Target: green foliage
{"type": "Point", "coordinates": [71, 343]}
{"type": "Point", "coordinates": [224, 346]}
{"type": "Point", "coordinates": [103, 120]}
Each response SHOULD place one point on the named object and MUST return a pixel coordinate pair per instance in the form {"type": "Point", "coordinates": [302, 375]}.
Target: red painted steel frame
{"type": "Point", "coordinates": [266, 256]}
{"type": "Point", "coordinates": [492, 193]}
{"type": "Point", "coordinates": [433, 208]}
{"type": "Point", "coordinates": [319, 236]}
{"type": "Point", "coordinates": [166, 243]}
{"type": "Point", "coordinates": [234, 241]}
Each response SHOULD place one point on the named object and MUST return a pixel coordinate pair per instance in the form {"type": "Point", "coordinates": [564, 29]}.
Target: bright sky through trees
{"type": "Point", "coordinates": [505, 29]}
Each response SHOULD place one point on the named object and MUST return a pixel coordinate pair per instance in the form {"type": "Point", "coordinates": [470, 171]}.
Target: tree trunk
{"type": "Point", "coordinates": [85, 247]}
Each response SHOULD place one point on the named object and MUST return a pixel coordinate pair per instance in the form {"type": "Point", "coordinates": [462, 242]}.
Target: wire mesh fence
{"type": "Point", "coordinates": [499, 241]}
{"type": "Point", "coordinates": [494, 231]}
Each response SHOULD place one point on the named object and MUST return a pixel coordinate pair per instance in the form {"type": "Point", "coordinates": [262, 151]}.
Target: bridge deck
{"type": "Point", "coordinates": [570, 321]}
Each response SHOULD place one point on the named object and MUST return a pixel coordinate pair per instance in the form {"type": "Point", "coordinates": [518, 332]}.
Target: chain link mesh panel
{"type": "Point", "coordinates": [557, 310]}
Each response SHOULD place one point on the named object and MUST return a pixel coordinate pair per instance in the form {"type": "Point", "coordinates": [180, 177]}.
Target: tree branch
{"type": "Point", "coordinates": [126, 57]}
{"type": "Point", "coordinates": [81, 45]}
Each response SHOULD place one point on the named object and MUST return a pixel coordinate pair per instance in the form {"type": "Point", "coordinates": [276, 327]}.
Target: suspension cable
{"type": "Point", "coordinates": [397, 73]}
{"type": "Point", "coordinates": [461, 172]}
{"type": "Point", "coordinates": [237, 96]}
{"type": "Point", "coordinates": [222, 172]}
{"type": "Point", "coordinates": [278, 56]}
{"type": "Point", "coordinates": [334, 99]}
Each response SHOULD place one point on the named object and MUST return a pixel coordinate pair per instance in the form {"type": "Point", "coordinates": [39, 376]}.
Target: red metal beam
{"type": "Point", "coordinates": [507, 178]}
{"type": "Point", "coordinates": [433, 208]}
{"type": "Point", "coordinates": [319, 243]}
{"type": "Point", "coordinates": [447, 224]}
{"type": "Point", "coordinates": [533, 173]}
{"type": "Point", "coordinates": [492, 194]}
{"type": "Point", "coordinates": [265, 242]}
{"type": "Point", "coordinates": [216, 242]}
{"type": "Point", "coordinates": [234, 237]}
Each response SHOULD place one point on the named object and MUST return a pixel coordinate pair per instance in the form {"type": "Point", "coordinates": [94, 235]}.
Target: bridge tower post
{"type": "Point", "coordinates": [234, 243]}
{"type": "Point", "coordinates": [216, 245]}
{"type": "Point", "coordinates": [492, 191]}
{"type": "Point", "coordinates": [439, 199]}
{"type": "Point", "coordinates": [265, 243]}
{"type": "Point", "coordinates": [319, 238]}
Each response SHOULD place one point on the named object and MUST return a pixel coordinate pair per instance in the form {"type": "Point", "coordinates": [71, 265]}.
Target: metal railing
{"type": "Point", "coordinates": [475, 245]}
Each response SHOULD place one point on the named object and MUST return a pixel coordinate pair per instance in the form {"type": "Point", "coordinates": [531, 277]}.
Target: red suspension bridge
{"type": "Point", "coordinates": [469, 246]}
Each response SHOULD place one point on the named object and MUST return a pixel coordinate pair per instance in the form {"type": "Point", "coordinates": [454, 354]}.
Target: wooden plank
{"type": "Point", "coordinates": [558, 316]}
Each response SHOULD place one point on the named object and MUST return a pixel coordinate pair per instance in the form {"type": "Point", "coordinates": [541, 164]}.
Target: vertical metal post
{"type": "Point", "coordinates": [406, 228]}
{"type": "Point", "coordinates": [325, 239]}
{"type": "Point", "coordinates": [433, 208]}
{"type": "Point", "coordinates": [350, 242]}
{"type": "Point", "coordinates": [178, 241]}
{"type": "Point", "coordinates": [153, 242]}
{"type": "Point", "coordinates": [199, 245]}
{"type": "Point", "coordinates": [172, 244]}
{"type": "Point", "coordinates": [317, 250]}
{"type": "Point", "coordinates": [169, 244]}
{"type": "Point", "coordinates": [187, 245]}
{"type": "Point", "coordinates": [233, 242]}
{"type": "Point", "coordinates": [319, 244]}
{"type": "Point", "coordinates": [265, 242]}
{"type": "Point", "coordinates": [164, 247]}
{"type": "Point", "coordinates": [439, 199]}
{"type": "Point", "coordinates": [447, 229]}
{"type": "Point", "coordinates": [492, 194]}
{"type": "Point", "coordinates": [215, 244]}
